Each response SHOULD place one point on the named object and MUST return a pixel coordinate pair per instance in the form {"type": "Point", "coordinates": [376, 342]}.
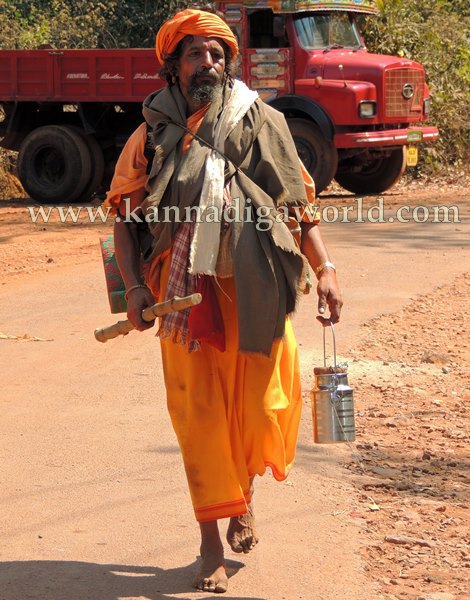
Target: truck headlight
{"type": "Point", "coordinates": [427, 106]}
{"type": "Point", "coordinates": [367, 109]}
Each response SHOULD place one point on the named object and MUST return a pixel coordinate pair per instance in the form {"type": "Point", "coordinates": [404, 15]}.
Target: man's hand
{"type": "Point", "coordinates": [138, 299]}
{"type": "Point", "coordinates": [329, 295]}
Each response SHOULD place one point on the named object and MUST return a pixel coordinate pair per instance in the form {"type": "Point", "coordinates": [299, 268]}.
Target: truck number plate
{"type": "Point", "coordinates": [412, 156]}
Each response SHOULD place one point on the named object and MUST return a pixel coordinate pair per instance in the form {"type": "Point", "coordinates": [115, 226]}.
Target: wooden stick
{"type": "Point", "coordinates": [148, 314]}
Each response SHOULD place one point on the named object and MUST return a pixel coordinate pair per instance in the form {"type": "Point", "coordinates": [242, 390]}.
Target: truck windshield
{"type": "Point", "coordinates": [326, 31]}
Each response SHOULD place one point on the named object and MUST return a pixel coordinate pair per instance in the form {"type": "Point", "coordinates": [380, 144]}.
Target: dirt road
{"type": "Point", "coordinates": [93, 496]}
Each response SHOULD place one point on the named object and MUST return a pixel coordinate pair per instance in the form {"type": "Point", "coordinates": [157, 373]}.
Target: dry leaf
{"type": "Point", "coordinates": [23, 338]}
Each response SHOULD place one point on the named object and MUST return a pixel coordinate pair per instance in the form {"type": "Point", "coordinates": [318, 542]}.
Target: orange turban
{"type": "Point", "coordinates": [192, 22]}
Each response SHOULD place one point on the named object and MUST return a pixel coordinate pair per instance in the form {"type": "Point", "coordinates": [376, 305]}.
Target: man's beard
{"type": "Point", "coordinates": [206, 90]}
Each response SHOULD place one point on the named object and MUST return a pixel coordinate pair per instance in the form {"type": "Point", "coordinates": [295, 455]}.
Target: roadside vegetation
{"type": "Point", "coordinates": [435, 33]}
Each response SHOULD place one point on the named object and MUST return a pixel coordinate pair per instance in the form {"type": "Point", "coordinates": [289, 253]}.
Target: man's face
{"type": "Point", "coordinates": [201, 69]}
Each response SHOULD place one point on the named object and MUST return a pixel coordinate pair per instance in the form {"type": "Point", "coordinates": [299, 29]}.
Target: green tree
{"type": "Point", "coordinates": [83, 23]}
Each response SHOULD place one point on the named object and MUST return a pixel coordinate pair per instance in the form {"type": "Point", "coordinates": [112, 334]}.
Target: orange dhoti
{"type": "Point", "coordinates": [234, 414]}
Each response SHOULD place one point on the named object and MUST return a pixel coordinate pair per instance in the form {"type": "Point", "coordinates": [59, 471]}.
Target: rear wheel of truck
{"type": "Point", "coordinates": [374, 176]}
{"type": "Point", "coordinates": [96, 168]}
{"type": "Point", "coordinates": [316, 152]}
{"type": "Point", "coordinates": [54, 164]}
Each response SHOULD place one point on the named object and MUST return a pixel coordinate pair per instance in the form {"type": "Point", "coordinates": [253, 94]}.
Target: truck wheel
{"type": "Point", "coordinates": [376, 175]}
{"type": "Point", "coordinates": [316, 152]}
{"type": "Point", "coordinates": [96, 168]}
{"type": "Point", "coordinates": [54, 164]}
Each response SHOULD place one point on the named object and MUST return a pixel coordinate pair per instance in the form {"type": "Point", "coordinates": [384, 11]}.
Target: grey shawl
{"type": "Point", "coordinates": [264, 170]}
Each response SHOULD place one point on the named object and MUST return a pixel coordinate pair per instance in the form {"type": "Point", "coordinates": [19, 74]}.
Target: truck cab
{"type": "Point", "coordinates": [355, 116]}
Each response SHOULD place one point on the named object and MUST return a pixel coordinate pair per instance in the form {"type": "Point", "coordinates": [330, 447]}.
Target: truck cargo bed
{"type": "Point", "coordinates": [78, 75]}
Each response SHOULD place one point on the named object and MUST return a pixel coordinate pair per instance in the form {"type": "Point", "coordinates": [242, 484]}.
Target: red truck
{"type": "Point", "coordinates": [356, 117]}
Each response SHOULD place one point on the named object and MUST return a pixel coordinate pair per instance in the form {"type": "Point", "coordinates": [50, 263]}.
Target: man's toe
{"type": "Point", "coordinates": [221, 586]}
{"type": "Point", "coordinates": [209, 585]}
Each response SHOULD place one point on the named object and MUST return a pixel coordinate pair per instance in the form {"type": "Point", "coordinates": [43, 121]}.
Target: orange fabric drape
{"type": "Point", "coordinates": [234, 414]}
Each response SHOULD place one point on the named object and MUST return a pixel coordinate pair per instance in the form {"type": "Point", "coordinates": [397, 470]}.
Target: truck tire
{"type": "Point", "coordinates": [54, 164]}
{"type": "Point", "coordinates": [376, 175]}
{"type": "Point", "coordinates": [96, 168]}
{"type": "Point", "coordinates": [318, 153]}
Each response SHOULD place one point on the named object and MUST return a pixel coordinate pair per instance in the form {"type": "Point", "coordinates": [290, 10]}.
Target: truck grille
{"type": "Point", "coordinates": [396, 105]}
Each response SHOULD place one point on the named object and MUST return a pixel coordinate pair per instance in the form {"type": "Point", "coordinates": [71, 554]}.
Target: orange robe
{"type": "Point", "coordinates": [234, 414]}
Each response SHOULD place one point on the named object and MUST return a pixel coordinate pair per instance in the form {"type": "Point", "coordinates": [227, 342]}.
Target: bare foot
{"type": "Point", "coordinates": [212, 576]}
{"type": "Point", "coordinates": [241, 532]}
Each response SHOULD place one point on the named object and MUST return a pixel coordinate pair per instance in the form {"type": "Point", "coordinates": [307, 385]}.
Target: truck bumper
{"type": "Point", "coordinates": [390, 137]}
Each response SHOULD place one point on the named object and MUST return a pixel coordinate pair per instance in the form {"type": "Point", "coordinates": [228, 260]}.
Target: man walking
{"type": "Point", "coordinates": [209, 146]}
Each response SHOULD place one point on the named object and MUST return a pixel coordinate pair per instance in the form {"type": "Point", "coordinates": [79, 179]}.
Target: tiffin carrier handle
{"type": "Point", "coordinates": [334, 344]}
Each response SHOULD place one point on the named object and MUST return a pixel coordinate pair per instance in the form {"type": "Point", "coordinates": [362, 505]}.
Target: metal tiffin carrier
{"type": "Point", "coordinates": [332, 401]}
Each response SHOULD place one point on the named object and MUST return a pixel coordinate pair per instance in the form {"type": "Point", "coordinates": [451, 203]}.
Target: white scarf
{"type": "Point", "coordinates": [206, 239]}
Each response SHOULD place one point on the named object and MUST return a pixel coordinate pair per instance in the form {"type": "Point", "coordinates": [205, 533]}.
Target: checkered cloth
{"type": "Point", "coordinates": [174, 325]}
